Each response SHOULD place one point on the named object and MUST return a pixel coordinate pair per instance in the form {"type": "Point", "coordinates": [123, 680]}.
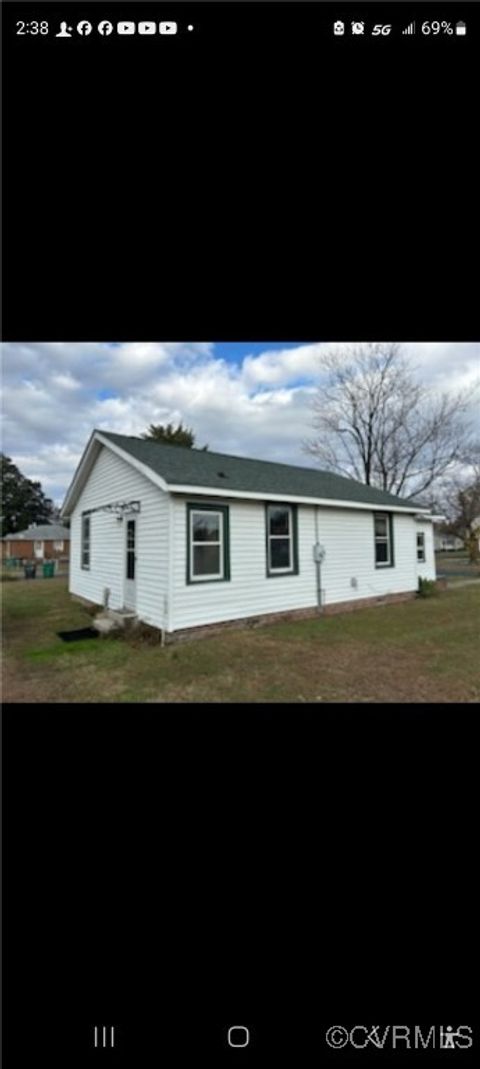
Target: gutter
{"type": "Point", "coordinates": [248, 495]}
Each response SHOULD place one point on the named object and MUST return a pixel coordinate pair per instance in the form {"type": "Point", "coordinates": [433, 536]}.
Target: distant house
{"type": "Point", "coordinates": [185, 538]}
{"type": "Point", "coordinates": [475, 528]}
{"type": "Point", "coordinates": [45, 541]}
{"type": "Point", "coordinates": [443, 542]}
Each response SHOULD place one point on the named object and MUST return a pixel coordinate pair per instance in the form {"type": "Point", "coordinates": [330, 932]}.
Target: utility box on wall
{"type": "Point", "coordinates": [318, 553]}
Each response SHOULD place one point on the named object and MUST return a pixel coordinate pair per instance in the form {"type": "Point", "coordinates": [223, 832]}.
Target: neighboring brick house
{"type": "Point", "coordinates": [45, 541]}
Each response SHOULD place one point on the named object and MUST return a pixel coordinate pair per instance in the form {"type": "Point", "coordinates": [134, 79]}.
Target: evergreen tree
{"type": "Point", "coordinates": [171, 435]}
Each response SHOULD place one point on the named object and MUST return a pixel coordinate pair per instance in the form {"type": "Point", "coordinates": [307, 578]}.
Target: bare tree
{"type": "Point", "coordinates": [459, 497]}
{"type": "Point", "coordinates": [377, 423]}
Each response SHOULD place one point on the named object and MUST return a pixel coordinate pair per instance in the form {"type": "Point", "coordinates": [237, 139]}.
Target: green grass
{"type": "Point", "coordinates": [421, 650]}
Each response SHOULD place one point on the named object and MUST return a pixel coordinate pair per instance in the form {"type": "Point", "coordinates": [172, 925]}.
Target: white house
{"type": "Point", "coordinates": [186, 538]}
{"type": "Point", "coordinates": [475, 529]}
{"type": "Point", "coordinates": [443, 542]}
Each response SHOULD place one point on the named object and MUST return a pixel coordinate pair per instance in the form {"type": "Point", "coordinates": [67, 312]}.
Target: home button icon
{"type": "Point", "coordinates": [238, 1036]}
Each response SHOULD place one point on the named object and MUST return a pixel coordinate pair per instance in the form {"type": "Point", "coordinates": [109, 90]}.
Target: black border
{"type": "Point", "coordinates": [361, 232]}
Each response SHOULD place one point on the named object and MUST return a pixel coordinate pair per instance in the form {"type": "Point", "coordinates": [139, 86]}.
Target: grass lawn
{"type": "Point", "coordinates": [423, 650]}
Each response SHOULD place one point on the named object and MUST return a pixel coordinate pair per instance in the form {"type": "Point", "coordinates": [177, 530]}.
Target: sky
{"type": "Point", "coordinates": [250, 399]}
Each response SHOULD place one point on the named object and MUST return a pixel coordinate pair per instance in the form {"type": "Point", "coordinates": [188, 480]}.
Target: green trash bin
{"type": "Point", "coordinates": [48, 569]}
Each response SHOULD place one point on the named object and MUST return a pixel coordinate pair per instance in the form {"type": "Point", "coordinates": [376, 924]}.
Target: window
{"type": "Point", "coordinates": [131, 549]}
{"type": "Point", "coordinates": [383, 540]}
{"type": "Point", "coordinates": [85, 551]}
{"type": "Point", "coordinates": [208, 552]}
{"type": "Point", "coordinates": [281, 540]}
{"type": "Point", "coordinates": [420, 546]}
{"type": "Point", "coordinates": [58, 546]}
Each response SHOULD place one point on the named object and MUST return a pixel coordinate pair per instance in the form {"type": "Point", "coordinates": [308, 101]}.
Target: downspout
{"type": "Point", "coordinates": [318, 565]}
{"type": "Point", "coordinates": [168, 599]}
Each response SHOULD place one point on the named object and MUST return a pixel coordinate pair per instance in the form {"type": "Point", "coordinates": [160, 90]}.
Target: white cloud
{"type": "Point", "coordinates": [446, 365]}
{"type": "Point", "coordinates": [54, 394]}
{"type": "Point", "coordinates": [277, 367]}
{"type": "Point", "coordinates": [66, 382]}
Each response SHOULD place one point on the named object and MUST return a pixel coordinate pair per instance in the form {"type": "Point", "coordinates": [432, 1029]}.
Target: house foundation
{"type": "Point", "coordinates": [252, 622]}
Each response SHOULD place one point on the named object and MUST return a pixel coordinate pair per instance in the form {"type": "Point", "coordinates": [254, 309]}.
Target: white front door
{"type": "Point", "coordinates": [38, 550]}
{"type": "Point", "coordinates": [130, 563]}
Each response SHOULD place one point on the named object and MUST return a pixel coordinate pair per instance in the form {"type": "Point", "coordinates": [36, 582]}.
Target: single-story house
{"type": "Point", "coordinates": [444, 542]}
{"type": "Point", "coordinates": [475, 529]}
{"type": "Point", "coordinates": [43, 541]}
{"type": "Point", "coordinates": [186, 538]}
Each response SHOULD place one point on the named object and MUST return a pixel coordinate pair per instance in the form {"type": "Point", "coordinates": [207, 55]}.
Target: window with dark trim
{"type": "Point", "coordinates": [85, 542]}
{"type": "Point", "coordinates": [282, 552]}
{"type": "Point", "coordinates": [208, 554]}
{"type": "Point", "coordinates": [383, 522]}
{"type": "Point", "coordinates": [420, 546]}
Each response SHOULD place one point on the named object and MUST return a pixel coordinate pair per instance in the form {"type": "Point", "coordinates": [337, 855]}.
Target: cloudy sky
{"type": "Point", "coordinates": [247, 398]}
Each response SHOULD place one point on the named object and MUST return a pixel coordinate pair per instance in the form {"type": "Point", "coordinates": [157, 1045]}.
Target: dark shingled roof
{"type": "Point", "coordinates": [178, 465]}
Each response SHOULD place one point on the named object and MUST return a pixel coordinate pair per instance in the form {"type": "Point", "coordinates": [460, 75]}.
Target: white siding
{"type": "Point", "coordinates": [248, 592]}
{"type": "Point", "coordinates": [113, 479]}
{"type": "Point", "coordinates": [348, 537]}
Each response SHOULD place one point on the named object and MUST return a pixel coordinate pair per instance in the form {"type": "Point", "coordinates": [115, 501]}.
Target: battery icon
{"type": "Point", "coordinates": [461, 29]}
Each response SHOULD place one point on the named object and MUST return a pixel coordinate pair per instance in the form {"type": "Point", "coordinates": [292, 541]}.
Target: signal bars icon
{"type": "Point", "coordinates": [409, 29]}
{"type": "Point", "coordinates": [108, 1040]}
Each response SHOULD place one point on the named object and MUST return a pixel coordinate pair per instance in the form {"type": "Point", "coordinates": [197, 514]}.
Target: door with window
{"type": "Point", "coordinates": [130, 563]}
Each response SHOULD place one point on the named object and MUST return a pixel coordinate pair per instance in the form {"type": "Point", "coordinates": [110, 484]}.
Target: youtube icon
{"type": "Point", "coordinates": [168, 27]}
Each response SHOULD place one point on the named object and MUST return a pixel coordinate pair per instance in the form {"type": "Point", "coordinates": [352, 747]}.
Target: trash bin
{"type": "Point", "coordinates": [48, 569]}
{"type": "Point", "coordinates": [30, 571]}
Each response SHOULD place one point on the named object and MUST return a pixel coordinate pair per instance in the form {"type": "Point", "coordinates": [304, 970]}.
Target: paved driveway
{"type": "Point", "coordinates": [456, 568]}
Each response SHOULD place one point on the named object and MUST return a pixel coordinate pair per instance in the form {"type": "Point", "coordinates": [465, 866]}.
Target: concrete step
{"type": "Point", "coordinates": [114, 620]}
{"type": "Point", "coordinates": [104, 625]}
{"type": "Point", "coordinates": [121, 614]}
